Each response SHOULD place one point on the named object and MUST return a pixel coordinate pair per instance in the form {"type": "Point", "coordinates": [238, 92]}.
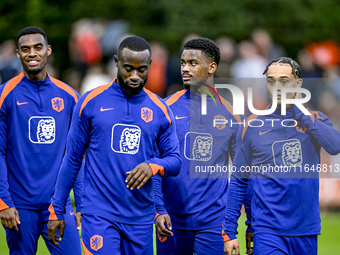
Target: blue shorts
{"type": "Point", "coordinates": [103, 236]}
{"type": "Point", "coordinates": [33, 224]}
{"type": "Point", "coordinates": [188, 242]}
{"type": "Point", "coordinates": [268, 244]}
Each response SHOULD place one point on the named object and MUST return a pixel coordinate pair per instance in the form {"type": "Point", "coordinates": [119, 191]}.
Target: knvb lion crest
{"type": "Point", "coordinates": [42, 129]}
{"type": "Point", "coordinates": [162, 238]}
{"type": "Point", "coordinates": [292, 154]}
{"type": "Point", "coordinates": [301, 127]}
{"type": "Point", "coordinates": [96, 242]}
{"type": "Point", "coordinates": [129, 140]}
{"type": "Point", "coordinates": [57, 104]}
{"type": "Point", "coordinates": [202, 148]}
{"type": "Point", "coordinates": [146, 114]}
{"type": "Point", "coordinates": [220, 122]}
{"type": "Point", "coordinates": [46, 131]}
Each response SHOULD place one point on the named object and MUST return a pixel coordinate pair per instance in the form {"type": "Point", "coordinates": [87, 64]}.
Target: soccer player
{"type": "Point", "coordinates": [192, 204]}
{"type": "Point", "coordinates": [35, 115]}
{"type": "Point", "coordinates": [285, 210]}
{"type": "Point", "coordinates": [122, 126]}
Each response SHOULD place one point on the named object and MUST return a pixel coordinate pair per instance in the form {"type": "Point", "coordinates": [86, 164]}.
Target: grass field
{"type": "Point", "coordinates": [328, 241]}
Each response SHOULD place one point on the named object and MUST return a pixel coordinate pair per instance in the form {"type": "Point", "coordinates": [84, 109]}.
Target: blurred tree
{"type": "Point", "coordinates": [292, 23]}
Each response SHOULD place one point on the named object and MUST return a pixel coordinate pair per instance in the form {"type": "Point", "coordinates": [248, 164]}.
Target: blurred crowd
{"type": "Point", "coordinates": [93, 43]}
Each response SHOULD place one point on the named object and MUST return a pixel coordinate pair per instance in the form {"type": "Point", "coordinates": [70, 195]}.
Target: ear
{"type": "Point", "coordinates": [18, 54]}
{"type": "Point", "coordinates": [299, 83]}
{"type": "Point", "coordinates": [116, 60]}
{"type": "Point", "coordinates": [212, 68]}
{"type": "Point", "coordinates": [49, 50]}
{"type": "Point", "coordinates": [150, 61]}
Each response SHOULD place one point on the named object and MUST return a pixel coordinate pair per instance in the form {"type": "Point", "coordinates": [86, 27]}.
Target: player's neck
{"type": "Point", "coordinates": [36, 77]}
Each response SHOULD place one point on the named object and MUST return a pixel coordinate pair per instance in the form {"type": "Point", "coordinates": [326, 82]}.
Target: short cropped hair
{"type": "Point", "coordinates": [134, 43]}
{"type": "Point", "coordinates": [32, 30]}
{"type": "Point", "coordinates": [285, 60]}
{"type": "Point", "coordinates": [207, 46]}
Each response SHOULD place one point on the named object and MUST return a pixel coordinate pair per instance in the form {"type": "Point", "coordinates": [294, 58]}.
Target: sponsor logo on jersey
{"type": "Point", "coordinates": [21, 103]}
{"type": "Point", "coordinates": [41, 129]}
{"type": "Point", "coordinates": [179, 118]}
{"type": "Point", "coordinates": [198, 146]}
{"type": "Point", "coordinates": [287, 153]}
{"type": "Point", "coordinates": [125, 138]}
{"type": "Point", "coordinates": [264, 132]}
{"type": "Point", "coordinates": [105, 109]}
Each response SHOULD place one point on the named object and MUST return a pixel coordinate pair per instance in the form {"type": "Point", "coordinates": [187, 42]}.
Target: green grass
{"type": "Point", "coordinates": [328, 241]}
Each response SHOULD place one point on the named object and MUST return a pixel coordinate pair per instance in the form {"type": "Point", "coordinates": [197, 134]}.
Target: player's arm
{"type": "Point", "coordinates": [8, 213]}
{"type": "Point", "coordinates": [162, 218]}
{"type": "Point", "coordinates": [247, 206]}
{"type": "Point", "coordinates": [77, 140]}
{"type": "Point", "coordinates": [78, 189]}
{"type": "Point", "coordinates": [167, 164]}
{"type": "Point", "coordinates": [249, 194]}
{"type": "Point", "coordinates": [236, 194]}
{"type": "Point", "coordinates": [320, 127]}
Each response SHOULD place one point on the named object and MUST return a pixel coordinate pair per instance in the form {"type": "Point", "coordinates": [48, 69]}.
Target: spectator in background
{"type": "Point", "coordinates": [227, 49]}
{"type": "Point", "coordinates": [311, 73]}
{"type": "Point", "coordinates": [265, 45]}
{"type": "Point", "coordinates": [245, 68]}
{"type": "Point", "coordinates": [95, 76]}
{"type": "Point", "coordinates": [157, 82]}
{"type": "Point", "coordinates": [10, 65]}
{"type": "Point", "coordinates": [84, 45]}
{"type": "Point", "coordinates": [249, 63]}
{"type": "Point", "coordinates": [72, 77]}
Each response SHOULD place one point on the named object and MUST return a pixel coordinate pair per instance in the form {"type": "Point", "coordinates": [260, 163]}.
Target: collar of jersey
{"type": "Point", "coordinates": [38, 82]}
{"type": "Point", "coordinates": [121, 91]}
{"type": "Point", "coordinates": [289, 111]}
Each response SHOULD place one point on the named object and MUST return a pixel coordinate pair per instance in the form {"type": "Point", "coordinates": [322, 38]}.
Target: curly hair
{"type": "Point", "coordinates": [285, 60]}
{"type": "Point", "coordinates": [207, 46]}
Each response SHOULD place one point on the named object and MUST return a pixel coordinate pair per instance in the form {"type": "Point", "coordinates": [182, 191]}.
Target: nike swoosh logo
{"type": "Point", "coordinates": [71, 213]}
{"type": "Point", "coordinates": [18, 103]}
{"type": "Point", "coordinates": [179, 118]}
{"type": "Point", "coordinates": [262, 133]}
{"type": "Point", "coordinates": [105, 109]}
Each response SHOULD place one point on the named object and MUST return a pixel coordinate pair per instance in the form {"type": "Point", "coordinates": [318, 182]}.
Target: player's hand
{"type": "Point", "coordinates": [230, 246]}
{"type": "Point", "coordinates": [160, 226]}
{"type": "Point", "coordinates": [139, 175]}
{"type": "Point", "coordinates": [52, 227]}
{"type": "Point", "coordinates": [249, 240]}
{"type": "Point", "coordinates": [10, 218]}
{"type": "Point", "coordinates": [78, 219]}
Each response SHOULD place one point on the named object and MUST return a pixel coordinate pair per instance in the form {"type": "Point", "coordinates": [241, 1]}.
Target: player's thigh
{"type": "Point", "coordinates": [268, 244]}
{"type": "Point", "coordinates": [180, 243]}
{"type": "Point", "coordinates": [303, 245]}
{"type": "Point", "coordinates": [70, 245]}
{"type": "Point", "coordinates": [25, 241]}
{"type": "Point", "coordinates": [137, 239]}
{"type": "Point", "coordinates": [100, 236]}
{"type": "Point", "coordinates": [209, 241]}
